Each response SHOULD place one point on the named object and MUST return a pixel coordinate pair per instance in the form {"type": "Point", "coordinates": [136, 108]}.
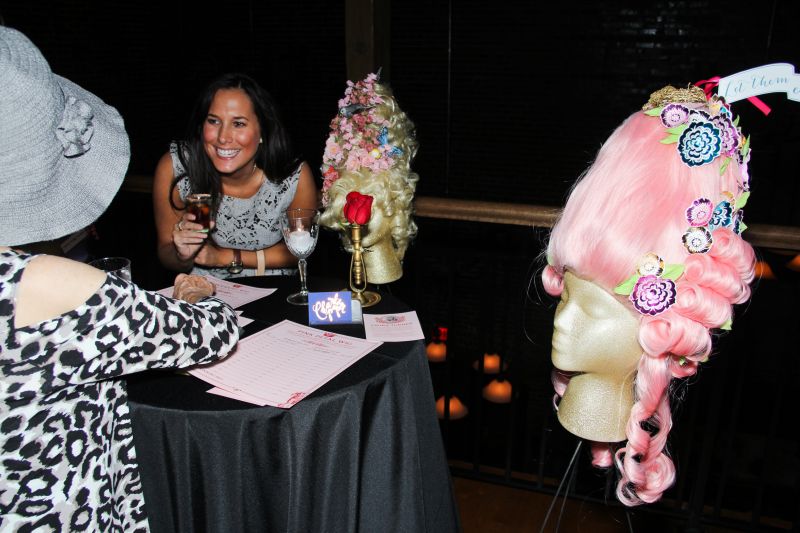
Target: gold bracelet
{"type": "Point", "coordinates": [262, 263]}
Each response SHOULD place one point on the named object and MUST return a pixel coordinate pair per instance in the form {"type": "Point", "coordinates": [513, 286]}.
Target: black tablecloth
{"type": "Point", "coordinates": [362, 453]}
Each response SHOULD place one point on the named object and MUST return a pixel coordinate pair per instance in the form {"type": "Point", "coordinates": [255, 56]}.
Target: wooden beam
{"type": "Point", "coordinates": [367, 38]}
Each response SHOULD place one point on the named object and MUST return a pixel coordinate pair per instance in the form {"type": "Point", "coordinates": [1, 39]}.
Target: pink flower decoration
{"type": "Point", "coordinates": [699, 213]}
{"type": "Point", "coordinates": [653, 295]}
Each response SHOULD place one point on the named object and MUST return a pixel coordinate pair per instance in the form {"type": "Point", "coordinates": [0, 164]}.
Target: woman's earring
{"type": "Point", "coordinates": [261, 140]}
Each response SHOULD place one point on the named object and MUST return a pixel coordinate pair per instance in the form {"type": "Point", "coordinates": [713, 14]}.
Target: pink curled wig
{"type": "Point", "coordinates": [633, 201]}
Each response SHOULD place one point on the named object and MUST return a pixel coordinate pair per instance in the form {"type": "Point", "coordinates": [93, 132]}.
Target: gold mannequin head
{"type": "Point", "coordinates": [595, 335]}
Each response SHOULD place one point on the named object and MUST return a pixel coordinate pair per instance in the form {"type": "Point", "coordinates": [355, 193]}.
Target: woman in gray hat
{"type": "Point", "coordinates": [67, 330]}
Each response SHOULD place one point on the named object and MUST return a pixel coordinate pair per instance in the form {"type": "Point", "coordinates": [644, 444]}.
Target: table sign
{"type": "Point", "coordinates": [230, 292]}
{"type": "Point", "coordinates": [395, 327]}
{"type": "Point", "coordinates": [281, 365]}
{"type": "Point", "coordinates": [333, 308]}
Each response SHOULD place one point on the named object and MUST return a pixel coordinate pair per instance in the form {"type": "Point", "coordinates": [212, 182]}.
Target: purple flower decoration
{"type": "Point", "coordinates": [653, 295]}
{"type": "Point", "coordinates": [699, 144]}
{"type": "Point", "coordinates": [697, 240]}
{"type": "Point", "coordinates": [699, 115]}
{"type": "Point", "coordinates": [699, 213]}
{"type": "Point", "coordinates": [674, 114]}
{"type": "Point", "coordinates": [722, 216]}
{"type": "Point", "coordinates": [743, 163]}
{"type": "Point", "coordinates": [730, 136]}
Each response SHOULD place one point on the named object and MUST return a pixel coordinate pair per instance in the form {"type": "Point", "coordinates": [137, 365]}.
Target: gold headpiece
{"type": "Point", "coordinates": [670, 94]}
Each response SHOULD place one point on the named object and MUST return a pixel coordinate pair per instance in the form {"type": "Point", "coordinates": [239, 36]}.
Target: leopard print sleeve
{"type": "Point", "coordinates": [123, 329]}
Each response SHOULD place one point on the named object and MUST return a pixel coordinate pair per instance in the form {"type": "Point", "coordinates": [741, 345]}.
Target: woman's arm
{"type": "Point", "coordinates": [124, 329]}
{"type": "Point", "coordinates": [177, 246]}
{"type": "Point", "coordinates": [51, 286]}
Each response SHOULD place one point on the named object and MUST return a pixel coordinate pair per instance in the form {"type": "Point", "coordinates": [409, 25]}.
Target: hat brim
{"type": "Point", "coordinates": [80, 188]}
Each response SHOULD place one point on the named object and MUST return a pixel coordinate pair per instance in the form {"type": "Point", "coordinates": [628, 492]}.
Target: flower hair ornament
{"type": "Point", "coordinates": [701, 136]}
{"type": "Point", "coordinates": [359, 135]}
{"type": "Point", "coordinates": [651, 289]}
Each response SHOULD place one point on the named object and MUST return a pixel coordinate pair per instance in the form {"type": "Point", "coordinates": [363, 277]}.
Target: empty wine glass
{"type": "Point", "coordinates": [300, 230]}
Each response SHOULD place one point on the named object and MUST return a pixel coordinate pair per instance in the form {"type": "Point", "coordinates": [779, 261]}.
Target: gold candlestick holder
{"type": "Point", "coordinates": [358, 272]}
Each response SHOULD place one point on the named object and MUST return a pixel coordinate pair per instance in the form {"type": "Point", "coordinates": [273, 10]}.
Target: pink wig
{"type": "Point", "coordinates": [631, 202]}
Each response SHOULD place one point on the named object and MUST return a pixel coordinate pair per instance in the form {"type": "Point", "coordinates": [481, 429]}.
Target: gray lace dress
{"type": "Point", "coordinates": [245, 223]}
{"type": "Point", "coordinates": [67, 460]}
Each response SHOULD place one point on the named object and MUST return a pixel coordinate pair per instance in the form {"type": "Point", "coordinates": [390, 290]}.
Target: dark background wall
{"type": "Point", "coordinates": [511, 99]}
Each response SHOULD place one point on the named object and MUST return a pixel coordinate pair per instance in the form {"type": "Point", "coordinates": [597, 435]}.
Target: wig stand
{"type": "Point", "coordinates": [569, 479]}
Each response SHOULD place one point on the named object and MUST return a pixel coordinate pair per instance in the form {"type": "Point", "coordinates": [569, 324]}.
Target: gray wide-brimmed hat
{"type": "Point", "coordinates": [63, 152]}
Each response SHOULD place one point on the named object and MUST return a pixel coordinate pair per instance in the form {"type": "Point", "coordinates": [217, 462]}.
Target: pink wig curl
{"type": "Point", "coordinates": [632, 201]}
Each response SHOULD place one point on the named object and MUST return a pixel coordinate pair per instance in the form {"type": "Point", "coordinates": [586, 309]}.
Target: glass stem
{"type": "Point", "coordinates": [301, 268]}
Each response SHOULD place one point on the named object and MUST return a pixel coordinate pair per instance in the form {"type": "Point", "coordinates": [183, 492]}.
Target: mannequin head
{"type": "Point", "coordinates": [641, 215]}
{"type": "Point", "coordinates": [370, 150]}
{"type": "Point", "coordinates": [597, 336]}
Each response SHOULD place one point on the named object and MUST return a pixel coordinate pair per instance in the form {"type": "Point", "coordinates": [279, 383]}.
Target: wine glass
{"type": "Point", "coordinates": [300, 230]}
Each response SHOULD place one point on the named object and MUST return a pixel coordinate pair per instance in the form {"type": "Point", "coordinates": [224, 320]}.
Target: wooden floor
{"type": "Point", "coordinates": [492, 508]}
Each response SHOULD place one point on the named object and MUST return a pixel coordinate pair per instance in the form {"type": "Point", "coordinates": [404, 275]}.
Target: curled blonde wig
{"type": "Point", "coordinates": [379, 128]}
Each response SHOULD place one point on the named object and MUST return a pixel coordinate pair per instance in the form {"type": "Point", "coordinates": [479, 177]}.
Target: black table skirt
{"type": "Point", "coordinates": [362, 453]}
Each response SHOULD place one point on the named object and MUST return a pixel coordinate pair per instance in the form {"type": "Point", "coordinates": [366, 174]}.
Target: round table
{"type": "Point", "coordinates": [362, 453]}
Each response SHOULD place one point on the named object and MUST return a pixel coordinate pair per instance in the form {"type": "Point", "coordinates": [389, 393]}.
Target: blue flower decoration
{"type": "Point", "coordinates": [383, 136]}
{"type": "Point", "coordinates": [383, 139]}
{"type": "Point", "coordinates": [722, 217]}
{"type": "Point", "coordinates": [699, 144]}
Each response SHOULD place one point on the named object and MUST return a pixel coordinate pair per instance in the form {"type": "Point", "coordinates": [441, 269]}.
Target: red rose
{"type": "Point", "coordinates": [357, 208]}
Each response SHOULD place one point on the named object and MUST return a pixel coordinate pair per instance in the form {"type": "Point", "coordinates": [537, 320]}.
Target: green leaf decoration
{"type": "Point", "coordinates": [656, 111]}
{"type": "Point", "coordinates": [549, 260]}
{"type": "Point", "coordinates": [742, 200]}
{"type": "Point", "coordinates": [677, 130]}
{"type": "Point", "coordinates": [670, 139]}
{"type": "Point", "coordinates": [673, 272]}
{"type": "Point", "coordinates": [746, 146]}
{"type": "Point", "coordinates": [724, 165]}
{"type": "Point", "coordinates": [727, 325]}
{"type": "Point", "coordinates": [736, 122]}
{"type": "Point", "coordinates": [742, 227]}
{"type": "Point", "coordinates": [626, 287]}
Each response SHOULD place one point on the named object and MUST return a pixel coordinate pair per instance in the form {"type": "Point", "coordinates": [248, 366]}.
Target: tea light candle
{"type": "Point", "coordinates": [300, 241]}
{"type": "Point", "coordinates": [457, 409]}
{"type": "Point", "coordinates": [491, 364]}
{"type": "Point", "coordinates": [498, 391]}
{"type": "Point", "coordinates": [437, 352]}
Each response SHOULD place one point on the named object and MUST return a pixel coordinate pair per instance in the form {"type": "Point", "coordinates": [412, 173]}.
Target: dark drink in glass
{"type": "Point", "coordinates": [199, 205]}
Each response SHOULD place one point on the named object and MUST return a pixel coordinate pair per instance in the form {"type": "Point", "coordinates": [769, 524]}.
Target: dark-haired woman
{"type": "Point", "coordinates": [238, 151]}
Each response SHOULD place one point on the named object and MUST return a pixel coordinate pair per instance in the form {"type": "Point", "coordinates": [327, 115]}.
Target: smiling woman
{"type": "Point", "coordinates": [238, 151]}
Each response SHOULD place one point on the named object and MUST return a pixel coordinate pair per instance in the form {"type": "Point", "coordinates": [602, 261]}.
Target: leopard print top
{"type": "Point", "coordinates": [67, 461]}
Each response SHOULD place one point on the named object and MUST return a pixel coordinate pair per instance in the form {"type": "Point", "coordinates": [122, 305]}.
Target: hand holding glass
{"type": "Point", "coordinates": [199, 205]}
{"type": "Point", "coordinates": [300, 232]}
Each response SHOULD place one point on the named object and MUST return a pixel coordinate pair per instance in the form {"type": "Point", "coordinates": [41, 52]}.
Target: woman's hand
{"type": "Point", "coordinates": [192, 288]}
{"type": "Point", "coordinates": [187, 239]}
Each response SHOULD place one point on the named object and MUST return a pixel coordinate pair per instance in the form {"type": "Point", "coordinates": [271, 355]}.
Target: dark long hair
{"type": "Point", "coordinates": [275, 155]}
